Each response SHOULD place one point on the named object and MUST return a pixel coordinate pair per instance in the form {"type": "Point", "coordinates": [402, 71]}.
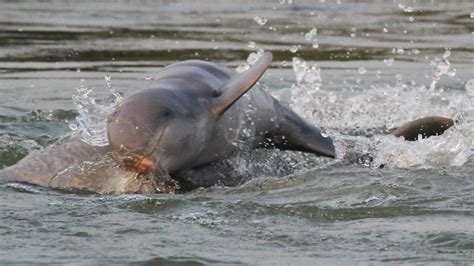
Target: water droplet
{"type": "Point", "coordinates": [148, 78]}
{"type": "Point", "coordinates": [362, 70]}
{"type": "Point", "coordinates": [446, 54]}
{"type": "Point", "coordinates": [20, 30]}
{"type": "Point", "coordinates": [242, 67]}
{"type": "Point", "coordinates": [260, 20]}
{"type": "Point", "coordinates": [311, 35]}
{"type": "Point", "coordinates": [108, 80]}
{"type": "Point", "coordinates": [388, 62]}
{"type": "Point", "coordinates": [385, 30]}
{"type": "Point", "coordinates": [411, 19]}
{"type": "Point", "coordinates": [252, 45]}
{"type": "Point", "coordinates": [253, 57]}
{"type": "Point", "coordinates": [73, 125]}
{"type": "Point", "coordinates": [472, 15]}
{"type": "Point", "coordinates": [310, 75]}
{"type": "Point", "coordinates": [294, 49]}
{"type": "Point", "coordinates": [469, 87]}
{"type": "Point", "coordinates": [441, 67]}
{"type": "Point", "coordinates": [459, 119]}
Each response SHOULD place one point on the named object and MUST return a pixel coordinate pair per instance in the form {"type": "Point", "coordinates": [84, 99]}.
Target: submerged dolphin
{"type": "Point", "coordinates": [166, 138]}
{"type": "Point", "coordinates": [194, 114]}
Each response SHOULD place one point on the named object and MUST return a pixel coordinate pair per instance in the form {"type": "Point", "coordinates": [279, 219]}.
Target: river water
{"type": "Point", "coordinates": [357, 69]}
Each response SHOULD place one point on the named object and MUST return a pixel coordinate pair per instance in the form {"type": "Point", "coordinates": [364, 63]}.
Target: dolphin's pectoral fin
{"type": "Point", "coordinates": [293, 133]}
{"type": "Point", "coordinates": [239, 85]}
{"type": "Point", "coordinates": [426, 127]}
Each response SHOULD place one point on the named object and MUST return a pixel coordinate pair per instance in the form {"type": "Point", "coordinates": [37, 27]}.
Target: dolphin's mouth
{"type": "Point", "coordinates": [138, 163]}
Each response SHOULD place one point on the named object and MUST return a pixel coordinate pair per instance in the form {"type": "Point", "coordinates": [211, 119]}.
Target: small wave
{"type": "Point", "coordinates": [22, 188]}
{"type": "Point", "coordinates": [208, 218]}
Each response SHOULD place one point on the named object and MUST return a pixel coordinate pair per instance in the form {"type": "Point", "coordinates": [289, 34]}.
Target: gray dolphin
{"type": "Point", "coordinates": [168, 137]}
{"type": "Point", "coordinates": [194, 114]}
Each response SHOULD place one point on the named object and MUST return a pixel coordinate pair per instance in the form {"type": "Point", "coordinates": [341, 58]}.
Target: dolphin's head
{"type": "Point", "coordinates": [167, 129]}
{"type": "Point", "coordinates": [158, 130]}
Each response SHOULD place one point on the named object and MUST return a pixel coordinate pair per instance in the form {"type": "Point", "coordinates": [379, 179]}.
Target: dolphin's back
{"type": "Point", "coordinates": [216, 70]}
{"type": "Point", "coordinates": [200, 77]}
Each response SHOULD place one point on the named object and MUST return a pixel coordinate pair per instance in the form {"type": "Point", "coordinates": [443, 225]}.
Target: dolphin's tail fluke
{"type": "Point", "coordinates": [424, 127]}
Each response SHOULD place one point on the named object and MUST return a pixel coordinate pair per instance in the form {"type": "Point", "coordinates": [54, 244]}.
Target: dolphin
{"type": "Point", "coordinates": [194, 114]}
{"type": "Point", "coordinates": [169, 137]}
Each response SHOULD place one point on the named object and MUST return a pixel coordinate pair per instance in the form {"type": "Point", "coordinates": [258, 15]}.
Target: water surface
{"type": "Point", "coordinates": [370, 67]}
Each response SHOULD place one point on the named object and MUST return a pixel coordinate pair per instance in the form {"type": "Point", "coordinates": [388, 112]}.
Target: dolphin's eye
{"type": "Point", "coordinates": [216, 93]}
{"type": "Point", "coordinates": [167, 113]}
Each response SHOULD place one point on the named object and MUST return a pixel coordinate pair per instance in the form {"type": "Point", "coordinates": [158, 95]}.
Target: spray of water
{"type": "Point", "coordinates": [377, 110]}
{"type": "Point", "coordinates": [91, 120]}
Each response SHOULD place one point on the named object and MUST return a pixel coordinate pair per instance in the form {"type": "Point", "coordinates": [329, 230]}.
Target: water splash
{"type": "Point", "coordinates": [294, 48]}
{"type": "Point", "coordinates": [260, 20]}
{"type": "Point", "coordinates": [252, 58]}
{"type": "Point", "coordinates": [441, 67]}
{"type": "Point", "coordinates": [91, 121]}
{"type": "Point", "coordinates": [388, 62]}
{"type": "Point", "coordinates": [454, 148]}
{"type": "Point", "coordinates": [469, 87]}
{"type": "Point", "coordinates": [359, 121]}
{"type": "Point", "coordinates": [311, 37]}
